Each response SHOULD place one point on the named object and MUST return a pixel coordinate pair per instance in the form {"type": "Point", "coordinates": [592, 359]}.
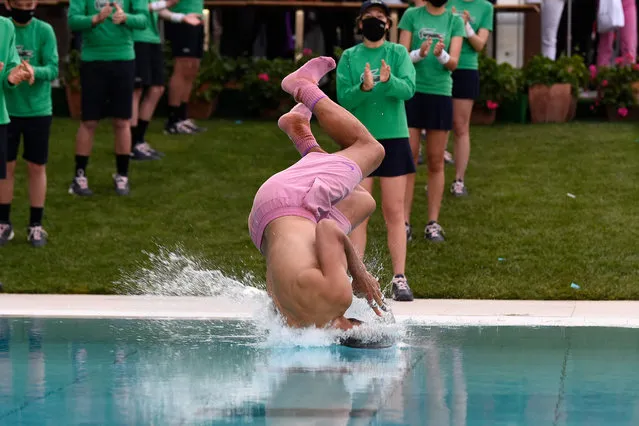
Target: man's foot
{"type": "Point", "coordinates": [434, 232]}
{"type": "Point", "coordinates": [179, 128]}
{"type": "Point", "coordinates": [458, 189]}
{"type": "Point", "coordinates": [297, 125]}
{"type": "Point", "coordinates": [37, 235]}
{"type": "Point", "coordinates": [80, 186]}
{"type": "Point", "coordinates": [143, 152]}
{"type": "Point", "coordinates": [311, 72]}
{"type": "Point", "coordinates": [6, 233]}
{"type": "Point", "coordinates": [191, 124]}
{"type": "Point", "coordinates": [121, 184]}
{"type": "Point", "coordinates": [409, 232]}
{"type": "Point", "coordinates": [401, 290]}
{"type": "Point", "coordinates": [448, 158]}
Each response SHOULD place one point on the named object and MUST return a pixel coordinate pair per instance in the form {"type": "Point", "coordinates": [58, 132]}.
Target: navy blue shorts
{"type": "Point", "coordinates": [465, 84]}
{"type": "Point", "coordinates": [34, 131]}
{"type": "Point", "coordinates": [398, 160]}
{"type": "Point", "coordinates": [430, 112]}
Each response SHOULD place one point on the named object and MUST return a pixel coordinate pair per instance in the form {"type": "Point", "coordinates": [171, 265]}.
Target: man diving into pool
{"type": "Point", "coordinates": [302, 215]}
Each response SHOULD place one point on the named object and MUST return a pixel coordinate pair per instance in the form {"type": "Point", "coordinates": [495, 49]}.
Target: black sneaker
{"type": "Point", "coordinates": [121, 184]}
{"type": "Point", "coordinates": [434, 232]}
{"type": "Point", "coordinates": [37, 235]}
{"type": "Point", "coordinates": [6, 233]}
{"type": "Point", "coordinates": [80, 185]}
{"type": "Point", "coordinates": [179, 128]}
{"type": "Point", "coordinates": [142, 152]}
{"type": "Point", "coordinates": [458, 189]}
{"type": "Point", "coordinates": [409, 232]}
{"type": "Point", "coordinates": [401, 290]}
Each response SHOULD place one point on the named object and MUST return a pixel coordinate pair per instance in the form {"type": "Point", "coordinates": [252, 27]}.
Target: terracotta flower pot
{"type": "Point", "coordinates": [572, 112]}
{"type": "Point", "coordinates": [550, 104]}
{"type": "Point", "coordinates": [74, 101]}
{"type": "Point", "coordinates": [483, 116]}
{"type": "Point", "coordinates": [201, 110]}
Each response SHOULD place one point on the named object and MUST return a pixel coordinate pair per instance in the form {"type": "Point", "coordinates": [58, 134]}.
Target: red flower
{"type": "Point", "coordinates": [592, 107]}
{"type": "Point", "coordinates": [619, 60]}
{"type": "Point", "coordinates": [263, 76]}
{"type": "Point", "coordinates": [604, 83]}
{"type": "Point", "coordinates": [307, 52]}
{"type": "Point", "coordinates": [492, 105]}
{"type": "Point", "coordinates": [623, 112]}
{"type": "Point", "coordinates": [635, 67]}
{"type": "Point", "coordinates": [593, 71]}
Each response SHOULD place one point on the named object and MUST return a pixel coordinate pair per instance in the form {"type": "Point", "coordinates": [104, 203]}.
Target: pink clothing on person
{"type": "Point", "coordinates": [628, 37]}
{"type": "Point", "coordinates": [309, 188]}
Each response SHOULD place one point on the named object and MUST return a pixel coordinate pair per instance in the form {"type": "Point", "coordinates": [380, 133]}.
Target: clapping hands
{"type": "Point", "coordinates": [23, 72]}
{"type": "Point", "coordinates": [119, 17]}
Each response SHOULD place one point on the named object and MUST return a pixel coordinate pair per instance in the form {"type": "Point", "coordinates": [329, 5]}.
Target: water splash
{"type": "Point", "coordinates": [173, 272]}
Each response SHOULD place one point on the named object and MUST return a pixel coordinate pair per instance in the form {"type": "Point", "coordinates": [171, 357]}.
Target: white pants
{"type": "Point", "coordinates": [551, 11]}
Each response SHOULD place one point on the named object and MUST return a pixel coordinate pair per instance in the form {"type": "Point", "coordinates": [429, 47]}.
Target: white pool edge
{"type": "Point", "coordinates": [450, 313]}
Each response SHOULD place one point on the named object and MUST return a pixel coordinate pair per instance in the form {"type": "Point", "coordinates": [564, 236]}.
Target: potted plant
{"type": "Point", "coordinates": [213, 73]}
{"type": "Point", "coordinates": [498, 83]}
{"type": "Point", "coordinates": [553, 87]}
{"type": "Point", "coordinates": [262, 85]}
{"type": "Point", "coordinates": [71, 82]}
{"type": "Point", "coordinates": [616, 90]}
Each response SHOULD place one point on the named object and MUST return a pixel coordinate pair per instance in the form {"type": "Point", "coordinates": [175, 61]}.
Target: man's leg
{"type": "Point", "coordinates": [357, 142]}
{"type": "Point", "coordinates": [122, 87]}
{"type": "Point", "coordinates": [94, 81]}
{"type": "Point", "coordinates": [36, 153]}
{"type": "Point", "coordinates": [6, 198]}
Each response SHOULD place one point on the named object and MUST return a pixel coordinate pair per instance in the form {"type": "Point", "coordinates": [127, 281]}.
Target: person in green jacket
{"type": "Point", "coordinates": [12, 73]}
{"type": "Point", "coordinates": [107, 75]}
{"type": "Point", "coordinates": [432, 106]}
{"type": "Point", "coordinates": [149, 73]}
{"type": "Point", "coordinates": [478, 23]}
{"type": "Point", "coordinates": [187, 46]}
{"type": "Point", "coordinates": [30, 111]}
{"type": "Point", "coordinates": [374, 79]}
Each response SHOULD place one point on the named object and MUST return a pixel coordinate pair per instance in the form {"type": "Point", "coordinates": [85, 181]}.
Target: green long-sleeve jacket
{"type": "Point", "coordinates": [107, 41]}
{"type": "Point", "coordinates": [10, 59]}
{"type": "Point", "coordinates": [382, 109]}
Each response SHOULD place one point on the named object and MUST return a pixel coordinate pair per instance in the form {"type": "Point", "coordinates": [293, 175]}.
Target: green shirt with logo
{"type": "Point", "coordinates": [9, 57]}
{"type": "Point", "coordinates": [107, 41]}
{"type": "Point", "coordinates": [432, 77]}
{"type": "Point", "coordinates": [36, 44]}
{"type": "Point", "coordinates": [151, 33]}
{"type": "Point", "coordinates": [380, 110]}
{"type": "Point", "coordinates": [481, 16]}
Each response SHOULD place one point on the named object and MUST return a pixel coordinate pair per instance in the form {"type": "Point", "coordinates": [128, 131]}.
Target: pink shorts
{"type": "Point", "coordinates": [309, 188]}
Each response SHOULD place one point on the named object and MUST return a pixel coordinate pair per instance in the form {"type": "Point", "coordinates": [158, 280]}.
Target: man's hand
{"type": "Point", "coordinates": [27, 68]}
{"type": "Point", "coordinates": [385, 72]}
{"type": "Point", "coordinates": [365, 285]}
{"type": "Point", "coordinates": [439, 48]}
{"type": "Point", "coordinates": [425, 47]}
{"type": "Point", "coordinates": [105, 12]}
{"type": "Point", "coordinates": [119, 17]}
{"type": "Point", "coordinates": [192, 19]}
{"type": "Point", "coordinates": [18, 74]}
{"type": "Point", "coordinates": [369, 82]}
{"type": "Point", "coordinates": [466, 17]}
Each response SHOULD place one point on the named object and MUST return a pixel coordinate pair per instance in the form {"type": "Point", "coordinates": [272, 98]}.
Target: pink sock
{"type": "Point", "coordinates": [309, 94]}
{"type": "Point", "coordinates": [296, 125]}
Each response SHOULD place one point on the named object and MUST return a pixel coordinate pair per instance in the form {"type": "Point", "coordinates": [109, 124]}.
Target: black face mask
{"type": "Point", "coordinates": [373, 29]}
{"type": "Point", "coordinates": [438, 3]}
{"type": "Point", "coordinates": [22, 16]}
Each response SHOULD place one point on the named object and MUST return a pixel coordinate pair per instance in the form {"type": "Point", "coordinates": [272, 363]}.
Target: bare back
{"type": "Point", "coordinates": [293, 275]}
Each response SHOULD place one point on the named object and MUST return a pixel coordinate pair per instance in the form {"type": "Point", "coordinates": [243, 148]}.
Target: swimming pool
{"type": "Point", "coordinates": [205, 372]}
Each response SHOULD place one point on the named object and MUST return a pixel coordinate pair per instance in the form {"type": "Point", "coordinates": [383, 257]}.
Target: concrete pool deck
{"type": "Point", "coordinates": [425, 311]}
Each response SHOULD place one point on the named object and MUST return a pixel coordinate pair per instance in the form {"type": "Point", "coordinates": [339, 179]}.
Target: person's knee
{"type": "Point", "coordinates": [36, 169]}
{"type": "Point", "coordinates": [393, 211]}
{"type": "Point", "coordinates": [120, 124]}
{"type": "Point", "coordinates": [89, 126]}
{"type": "Point", "coordinates": [436, 163]}
{"type": "Point", "coordinates": [187, 68]}
{"type": "Point", "coordinates": [156, 91]}
{"type": "Point", "coordinates": [460, 127]}
{"type": "Point", "coordinates": [11, 169]}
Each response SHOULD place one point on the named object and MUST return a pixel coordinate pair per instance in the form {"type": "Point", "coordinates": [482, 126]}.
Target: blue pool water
{"type": "Point", "coordinates": [147, 372]}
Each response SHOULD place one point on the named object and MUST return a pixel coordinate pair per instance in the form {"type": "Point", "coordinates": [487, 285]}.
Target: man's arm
{"type": "Point", "coordinates": [136, 18]}
{"type": "Point", "coordinates": [77, 16]}
{"type": "Point", "coordinates": [336, 253]}
{"type": "Point", "coordinates": [48, 71]}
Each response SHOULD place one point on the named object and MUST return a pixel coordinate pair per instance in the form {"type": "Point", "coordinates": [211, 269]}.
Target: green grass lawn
{"type": "Point", "coordinates": [199, 196]}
